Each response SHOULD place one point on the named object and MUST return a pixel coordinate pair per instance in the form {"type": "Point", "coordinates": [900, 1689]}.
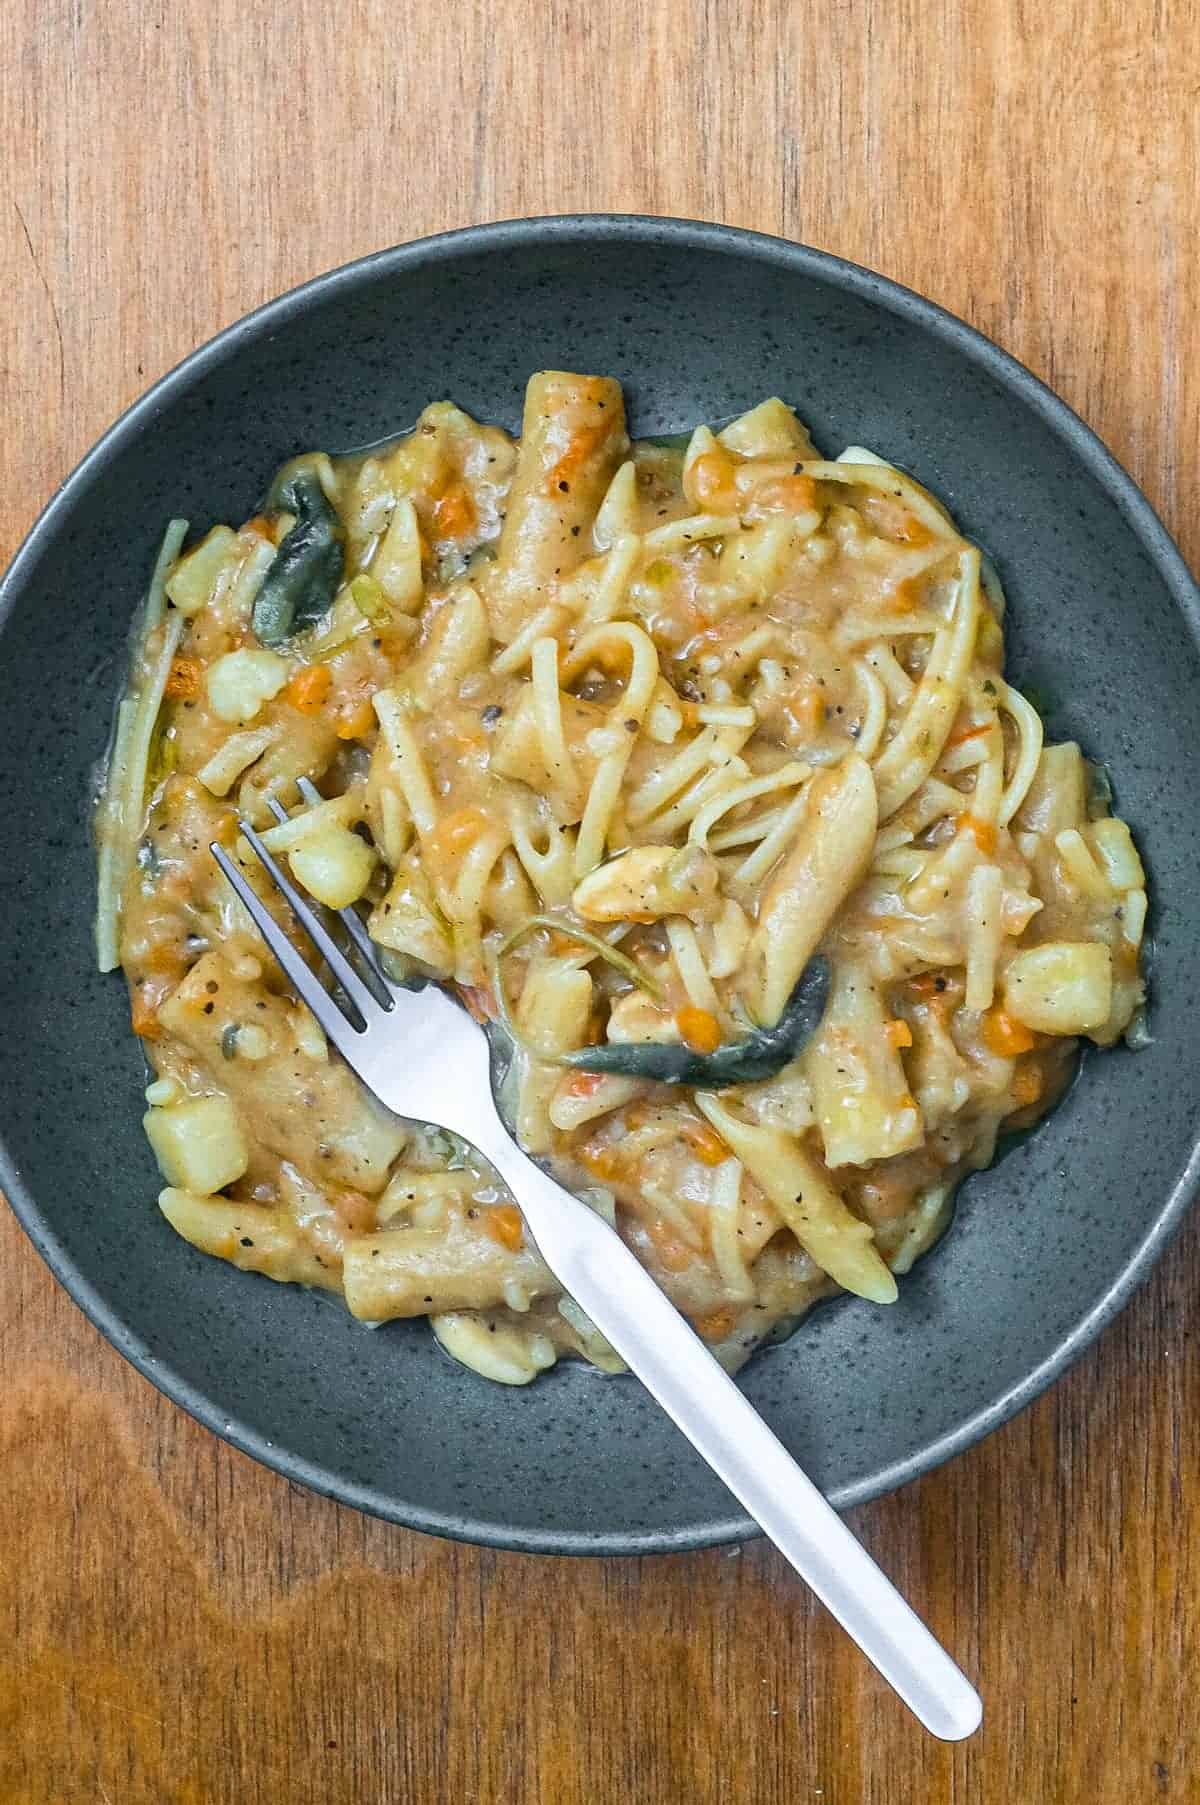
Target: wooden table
{"type": "Point", "coordinates": [180, 1627]}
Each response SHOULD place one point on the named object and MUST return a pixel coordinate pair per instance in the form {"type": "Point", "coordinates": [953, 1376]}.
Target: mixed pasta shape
{"type": "Point", "coordinates": [692, 767]}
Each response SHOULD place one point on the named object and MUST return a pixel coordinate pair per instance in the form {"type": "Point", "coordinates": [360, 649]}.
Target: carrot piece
{"type": "Point", "coordinates": [913, 531]}
{"type": "Point", "coordinates": [454, 513]}
{"type": "Point", "coordinates": [602, 1162]}
{"type": "Point", "coordinates": [1005, 1035]}
{"type": "Point", "coordinates": [453, 835]}
{"type": "Point", "coordinates": [712, 480]}
{"type": "Point", "coordinates": [705, 1143]}
{"type": "Point", "coordinates": [503, 1223]}
{"type": "Point", "coordinates": [903, 596]}
{"type": "Point", "coordinates": [308, 689]}
{"type": "Point", "coordinates": [785, 494]}
{"type": "Point", "coordinates": [357, 722]}
{"type": "Point", "coordinates": [715, 1325]}
{"type": "Point", "coordinates": [579, 448]}
{"type": "Point", "coordinates": [183, 679]}
{"type": "Point", "coordinates": [584, 1084]}
{"type": "Point", "coordinates": [698, 1030]}
{"type": "Point", "coordinates": [144, 1016]}
{"type": "Point", "coordinates": [984, 832]}
{"type": "Point", "coordinates": [806, 706]}
{"type": "Point", "coordinates": [899, 1034]}
{"type": "Point", "coordinates": [1027, 1085]}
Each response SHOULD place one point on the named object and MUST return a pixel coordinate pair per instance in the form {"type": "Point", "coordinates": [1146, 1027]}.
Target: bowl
{"type": "Point", "coordinates": [698, 322]}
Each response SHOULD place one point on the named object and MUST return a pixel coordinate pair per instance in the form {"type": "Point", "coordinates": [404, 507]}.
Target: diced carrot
{"type": "Point", "coordinates": [596, 1029]}
{"type": "Point", "coordinates": [584, 1084]}
{"type": "Point", "coordinates": [698, 1029]}
{"type": "Point", "coordinates": [1005, 1035]}
{"type": "Point", "coordinates": [983, 831]}
{"type": "Point", "coordinates": [454, 513]}
{"type": "Point", "coordinates": [969, 733]}
{"type": "Point", "coordinates": [913, 531]}
{"type": "Point", "coordinates": [183, 679]}
{"type": "Point", "coordinates": [601, 1162]}
{"type": "Point", "coordinates": [456, 832]}
{"type": "Point", "coordinates": [143, 1013]}
{"type": "Point", "coordinates": [899, 1034]}
{"type": "Point", "coordinates": [786, 495]}
{"type": "Point", "coordinates": [309, 687]}
{"type": "Point", "coordinates": [712, 480]}
{"type": "Point", "coordinates": [580, 447]}
{"type": "Point", "coordinates": [503, 1223]}
{"type": "Point", "coordinates": [705, 1142]}
{"type": "Point", "coordinates": [940, 994]}
{"type": "Point", "coordinates": [903, 596]}
{"type": "Point", "coordinates": [715, 1325]}
{"type": "Point", "coordinates": [806, 706]}
{"type": "Point", "coordinates": [356, 722]}
{"type": "Point", "coordinates": [1027, 1084]}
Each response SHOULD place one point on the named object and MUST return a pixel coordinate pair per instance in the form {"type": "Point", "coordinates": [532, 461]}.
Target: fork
{"type": "Point", "coordinates": [425, 1058]}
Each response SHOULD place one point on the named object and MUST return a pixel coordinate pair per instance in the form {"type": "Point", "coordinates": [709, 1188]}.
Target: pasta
{"type": "Point", "coordinates": [693, 769]}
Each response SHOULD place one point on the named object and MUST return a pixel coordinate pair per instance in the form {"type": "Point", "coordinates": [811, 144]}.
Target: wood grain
{"type": "Point", "coordinates": [180, 1627]}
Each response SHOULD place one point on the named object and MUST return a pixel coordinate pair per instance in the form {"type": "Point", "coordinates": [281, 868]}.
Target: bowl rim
{"type": "Point", "coordinates": [837, 273]}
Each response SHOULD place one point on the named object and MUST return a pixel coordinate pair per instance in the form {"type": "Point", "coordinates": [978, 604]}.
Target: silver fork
{"type": "Point", "coordinates": [425, 1058]}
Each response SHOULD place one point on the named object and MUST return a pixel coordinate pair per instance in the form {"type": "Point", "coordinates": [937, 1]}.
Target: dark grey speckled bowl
{"type": "Point", "coordinates": [697, 322]}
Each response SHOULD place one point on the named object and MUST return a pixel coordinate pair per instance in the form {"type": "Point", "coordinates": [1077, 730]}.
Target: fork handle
{"type": "Point", "coordinates": [627, 1306]}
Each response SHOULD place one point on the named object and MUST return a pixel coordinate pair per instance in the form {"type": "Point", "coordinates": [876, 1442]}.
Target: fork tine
{"type": "Point", "coordinates": [349, 916]}
{"type": "Point", "coordinates": [360, 994]}
{"type": "Point", "coordinates": [339, 1029]}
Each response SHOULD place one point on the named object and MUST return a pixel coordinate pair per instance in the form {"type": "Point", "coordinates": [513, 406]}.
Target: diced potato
{"type": "Point", "coordinates": [769, 430]}
{"type": "Point", "coordinates": [334, 866]}
{"type": "Point", "coordinates": [193, 579]}
{"type": "Point", "coordinates": [199, 1145]}
{"type": "Point", "coordinates": [1063, 987]}
{"type": "Point", "coordinates": [240, 682]}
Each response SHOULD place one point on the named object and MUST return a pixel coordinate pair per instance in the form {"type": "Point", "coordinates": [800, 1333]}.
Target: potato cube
{"type": "Point", "coordinates": [1063, 987]}
{"type": "Point", "coordinates": [240, 682]}
{"type": "Point", "coordinates": [199, 1145]}
{"type": "Point", "coordinates": [334, 866]}
{"type": "Point", "coordinates": [191, 583]}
